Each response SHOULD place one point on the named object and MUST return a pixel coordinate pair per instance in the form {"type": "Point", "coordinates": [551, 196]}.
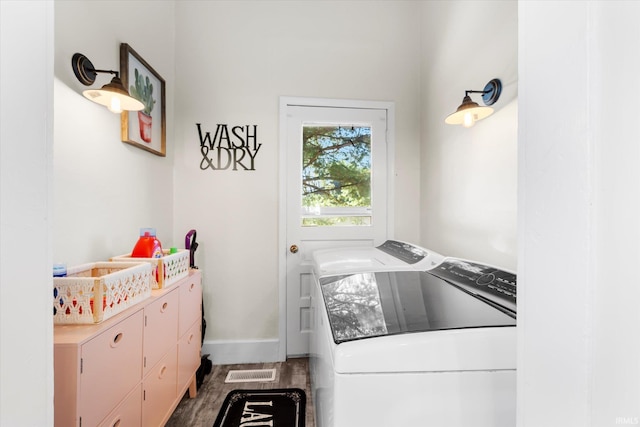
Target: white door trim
{"type": "Point", "coordinates": [286, 101]}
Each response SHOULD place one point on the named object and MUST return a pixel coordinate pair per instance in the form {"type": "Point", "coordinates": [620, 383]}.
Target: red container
{"type": "Point", "coordinates": [148, 246]}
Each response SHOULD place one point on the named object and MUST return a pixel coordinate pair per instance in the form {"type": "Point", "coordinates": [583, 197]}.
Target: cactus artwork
{"type": "Point", "coordinates": [144, 128]}
{"type": "Point", "coordinates": [142, 89]}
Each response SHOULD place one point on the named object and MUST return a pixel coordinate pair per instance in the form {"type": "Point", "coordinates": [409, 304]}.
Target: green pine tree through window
{"type": "Point", "coordinates": [336, 175]}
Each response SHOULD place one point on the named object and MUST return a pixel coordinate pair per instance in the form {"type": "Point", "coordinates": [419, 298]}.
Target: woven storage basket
{"type": "Point", "coordinates": [166, 270]}
{"type": "Point", "coordinates": [116, 285]}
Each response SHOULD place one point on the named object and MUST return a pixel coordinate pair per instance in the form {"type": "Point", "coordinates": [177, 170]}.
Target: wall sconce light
{"type": "Point", "coordinates": [470, 112]}
{"type": "Point", "coordinates": [113, 95]}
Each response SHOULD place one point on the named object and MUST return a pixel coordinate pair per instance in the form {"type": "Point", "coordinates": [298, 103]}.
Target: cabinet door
{"type": "Point", "coordinates": [190, 302]}
{"type": "Point", "coordinates": [128, 413]}
{"type": "Point", "coordinates": [188, 355]}
{"type": "Point", "coordinates": [110, 368]}
{"type": "Point", "coordinates": [160, 389]}
{"type": "Point", "coordinates": [161, 328]}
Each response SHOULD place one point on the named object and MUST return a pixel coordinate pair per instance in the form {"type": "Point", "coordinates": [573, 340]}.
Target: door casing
{"type": "Point", "coordinates": [282, 226]}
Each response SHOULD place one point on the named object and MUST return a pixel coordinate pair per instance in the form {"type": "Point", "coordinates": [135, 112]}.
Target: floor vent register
{"type": "Point", "coordinates": [251, 375]}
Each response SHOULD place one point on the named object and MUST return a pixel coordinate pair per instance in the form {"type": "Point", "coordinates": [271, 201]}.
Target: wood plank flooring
{"type": "Point", "coordinates": [202, 410]}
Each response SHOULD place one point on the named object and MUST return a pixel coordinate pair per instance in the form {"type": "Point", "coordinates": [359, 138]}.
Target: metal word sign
{"type": "Point", "coordinates": [232, 147]}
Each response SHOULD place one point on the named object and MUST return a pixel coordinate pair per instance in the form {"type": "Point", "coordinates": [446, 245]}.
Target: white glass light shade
{"type": "Point", "coordinates": [468, 113]}
{"type": "Point", "coordinates": [114, 96]}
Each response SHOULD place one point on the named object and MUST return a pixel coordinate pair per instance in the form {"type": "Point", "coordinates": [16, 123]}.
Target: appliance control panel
{"type": "Point", "coordinates": [489, 283]}
{"type": "Point", "coordinates": [403, 251]}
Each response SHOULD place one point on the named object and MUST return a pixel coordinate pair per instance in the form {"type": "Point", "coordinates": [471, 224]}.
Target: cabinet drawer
{"type": "Point", "coordinates": [188, 355]}
{"type": "Point", "coordinates": [128, 413]}
{"type": "Point", "coordinates": [161, 328]}
{"type": "Point", "coordinates": [109, 368]}
{"type": "Point", "coordinates": [190, 303]}
{"type": "Point", "coordinates": [160, 389]}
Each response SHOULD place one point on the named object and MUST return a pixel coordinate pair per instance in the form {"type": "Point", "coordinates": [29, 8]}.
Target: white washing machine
{"type": "Point", "coordinates": [391, 255]}
{"type": "Point", "coordinates": [415, 348]}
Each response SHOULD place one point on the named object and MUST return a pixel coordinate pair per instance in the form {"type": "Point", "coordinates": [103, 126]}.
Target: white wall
{"type": "Point", "coordinates": [615, 141]}
{"type": "Point", "coordinates": [235, 59]}
{"type": "Point", "coordinates": [26, 130]}
{"type": "Point", "coordinates": [579, 210]}
{"type": "Point", "coordinates": [104, 189]}
{"type": "Point", "coordinates": [469, 176]}
{"type": "Point", "coordinates": [578, 202]}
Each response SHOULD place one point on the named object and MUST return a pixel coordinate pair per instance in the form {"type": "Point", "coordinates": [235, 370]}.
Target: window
{"type": "Point", "coordinates": [336, 175]}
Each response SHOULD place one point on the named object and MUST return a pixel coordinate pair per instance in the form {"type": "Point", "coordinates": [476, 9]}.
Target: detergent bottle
{"type": "Point", "coordinates": [148, 246]}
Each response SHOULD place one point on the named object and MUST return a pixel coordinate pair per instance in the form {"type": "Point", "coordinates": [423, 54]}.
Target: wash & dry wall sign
{"type": "Point", "coordinates": [230, 147]}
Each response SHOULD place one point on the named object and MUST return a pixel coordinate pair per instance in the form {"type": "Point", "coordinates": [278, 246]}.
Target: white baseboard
{"type": "Point", "coordinates": [242, 351]}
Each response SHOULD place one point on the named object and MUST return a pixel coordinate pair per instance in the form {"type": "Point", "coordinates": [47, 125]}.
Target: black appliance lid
{"type": "Point", "coordinates": [369, 305]}
{"type": "Point", "coordinates": [489, 283]}
{"type": "Point", "coordinates": [403, 251]}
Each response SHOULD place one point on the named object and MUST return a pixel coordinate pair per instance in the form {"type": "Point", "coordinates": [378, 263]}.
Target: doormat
{"type": "Point", "coordinates": [274, 408]}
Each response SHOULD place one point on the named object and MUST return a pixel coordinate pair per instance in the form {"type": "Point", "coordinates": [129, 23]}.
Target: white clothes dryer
{"type": "Point", "coordinates": [389, 256]}
{"type": "Point", "coordinates": [423, 348]}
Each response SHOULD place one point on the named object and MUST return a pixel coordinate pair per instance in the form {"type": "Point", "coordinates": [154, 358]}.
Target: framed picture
{"type": "Point", "coordinates": [146, 128]}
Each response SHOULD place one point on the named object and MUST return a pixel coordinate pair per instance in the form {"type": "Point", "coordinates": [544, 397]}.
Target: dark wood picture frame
{"type": "Point", "coordinates": [144, 129]}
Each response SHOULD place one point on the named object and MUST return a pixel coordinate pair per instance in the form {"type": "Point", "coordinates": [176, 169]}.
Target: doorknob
{"type": "Point", "coordinates": [293, 249]}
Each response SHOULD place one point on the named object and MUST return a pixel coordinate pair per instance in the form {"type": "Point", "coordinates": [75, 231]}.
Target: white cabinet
{"type": "Point", "coordinates": [134, 368]}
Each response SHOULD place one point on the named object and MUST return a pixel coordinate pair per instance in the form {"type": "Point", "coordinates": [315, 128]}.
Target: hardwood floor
{"type": "Point", "coordinates": [202, 410]}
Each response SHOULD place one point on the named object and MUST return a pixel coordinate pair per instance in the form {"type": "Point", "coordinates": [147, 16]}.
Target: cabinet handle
{"type": "Point", "coordinates": [190, 339]}
{"type": "Point", "coordinates": [193, 285]}
{"type": "Point", "coordinates": [116, 340]}
{"type": "Point", "coordinates": [164, 307]}
{"type": "Point", "coordinates": [162, 371]}
{"type": "Point", "coordinates": [117, 423]}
